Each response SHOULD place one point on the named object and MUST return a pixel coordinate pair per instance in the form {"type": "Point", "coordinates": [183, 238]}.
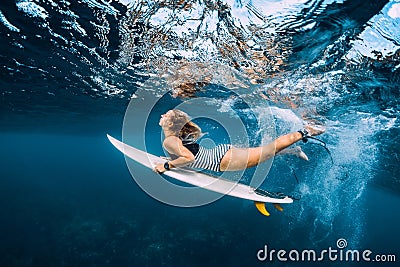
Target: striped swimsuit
{"type": "Point", "coordinates": [205, 158]}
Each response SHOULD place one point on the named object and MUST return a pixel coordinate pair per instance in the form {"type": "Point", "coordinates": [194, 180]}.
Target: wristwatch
{"type": "Point", "coordinates": [304, 135]}
{"type": "Point", "coordinates": [166, 166]}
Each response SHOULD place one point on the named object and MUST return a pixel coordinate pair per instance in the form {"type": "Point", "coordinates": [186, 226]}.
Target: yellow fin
{"type": "Point", "coordinates": [261, 208]}
{"type": "Point", "coordinates": [278, 207]}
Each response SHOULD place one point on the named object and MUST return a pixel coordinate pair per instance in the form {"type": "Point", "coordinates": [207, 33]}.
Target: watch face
{"type": "Point", "coordinates": [166, 165]}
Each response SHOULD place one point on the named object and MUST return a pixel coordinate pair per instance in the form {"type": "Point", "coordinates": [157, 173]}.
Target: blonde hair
{"type": "Point", "coordinates": [187, 130]}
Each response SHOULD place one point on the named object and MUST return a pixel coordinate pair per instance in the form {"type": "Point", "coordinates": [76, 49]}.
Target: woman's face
{"type": "Point", "coordinates": [166, 118]}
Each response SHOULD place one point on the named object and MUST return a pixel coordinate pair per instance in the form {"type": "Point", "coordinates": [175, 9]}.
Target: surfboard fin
{"type": "Point", "coordinates": [278, 207]}
{"type": "Point", "coordinates": [261, 208]}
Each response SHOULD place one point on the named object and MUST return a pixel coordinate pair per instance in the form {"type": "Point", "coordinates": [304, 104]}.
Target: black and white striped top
{"type": "Point", "coordinates": [209, 159]}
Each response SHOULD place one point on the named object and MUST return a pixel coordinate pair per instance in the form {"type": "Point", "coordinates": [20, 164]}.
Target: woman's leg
{"type": "Point", "coordinates": [236, 159]}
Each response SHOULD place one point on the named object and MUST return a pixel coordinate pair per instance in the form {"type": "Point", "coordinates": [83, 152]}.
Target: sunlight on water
{"type": "Point", "coordinates": [383, 31]}
{"type": "Point", "coordinates": [32, 9]}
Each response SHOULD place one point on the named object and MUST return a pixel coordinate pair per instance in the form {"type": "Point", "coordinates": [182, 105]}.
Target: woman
{"type": "Point", "coordinates": [180, 136]}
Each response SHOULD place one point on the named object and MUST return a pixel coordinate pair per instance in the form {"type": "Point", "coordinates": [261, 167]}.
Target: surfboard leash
{"type": "Point", "coordinates": [306, 136]}
{"type": "Point", "coordinates": [320, 143]}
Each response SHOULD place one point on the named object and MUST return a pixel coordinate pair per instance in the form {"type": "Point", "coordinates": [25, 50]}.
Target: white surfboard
{"type": "Point", "coordinates": [203, 180]}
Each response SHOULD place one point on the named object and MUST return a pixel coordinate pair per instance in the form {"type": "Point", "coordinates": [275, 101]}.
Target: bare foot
{"type": "Point", "coordinates": [300, 153]}
{"type": "Point", "coordinates": [296, 151]}
{"type": "Point", "coordinates": [314, 130]}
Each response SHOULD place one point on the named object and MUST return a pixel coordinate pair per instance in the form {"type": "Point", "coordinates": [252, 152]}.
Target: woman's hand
{"type": "Point", "coordinates": [159, 168]}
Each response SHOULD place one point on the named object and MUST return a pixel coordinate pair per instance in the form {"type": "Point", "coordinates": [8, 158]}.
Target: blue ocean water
{"type": "Point", "coordinates": [70, 69]}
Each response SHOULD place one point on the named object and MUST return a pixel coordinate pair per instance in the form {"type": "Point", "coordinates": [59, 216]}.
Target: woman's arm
{"type": "Point", "coordinates": [174, 146]}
